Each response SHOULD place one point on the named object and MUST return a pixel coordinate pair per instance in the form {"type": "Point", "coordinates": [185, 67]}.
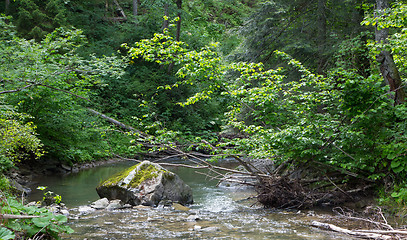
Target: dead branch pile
{"type": "Point", "coordinates": [284, 192]}
{"type": "Point", "coordinates": [280, 192]}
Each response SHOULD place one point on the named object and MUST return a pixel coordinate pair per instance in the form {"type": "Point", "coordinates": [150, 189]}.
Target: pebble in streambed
{"type": "Point", "coordinates": [216, 214]}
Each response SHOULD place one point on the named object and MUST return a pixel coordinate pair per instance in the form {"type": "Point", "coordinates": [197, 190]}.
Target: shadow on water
{"type": "Point", "coordinates": [217, 213]}
{"type": "Point", "coordinates": [77, 188]}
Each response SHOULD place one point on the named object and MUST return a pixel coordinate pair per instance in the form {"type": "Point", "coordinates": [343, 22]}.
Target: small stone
{"type": "Point", "coordinates": [311, 213]}
{"type": "Point", "coordinates": [33, 204]}
{"type": "Point", "coordinates": [165, 203]}
{"type": "Point", "coordinates": [66, 167]}
{"type": "Point", "coordinates": [210, 229]}
{"type": "Point", "coordinates": [53, 209]}
{"type": "Point", "coordinates": [85, 209]}
{"type": "Point", "coordinates": [64, 212]}
{"type": "Point", "coordinates": [142, 207]}
{"type": "Point", "coordinates": [179, 207]}
{"type": "Point", "coordinates": [197, 228]}
{"type": "Point", "coordinates": [100, 204]}
{"type": "Point", "coordinates": [114, 204]}
{"type": "Point", "coordinates": [193, 218]}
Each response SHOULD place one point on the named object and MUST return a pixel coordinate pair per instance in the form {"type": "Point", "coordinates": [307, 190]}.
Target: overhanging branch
{"type": "Point", "coordinates": [18, 89]}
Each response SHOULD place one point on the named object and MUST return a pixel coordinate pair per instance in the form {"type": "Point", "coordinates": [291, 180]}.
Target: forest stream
{"type": "Point", "coordinates": [217, 212]}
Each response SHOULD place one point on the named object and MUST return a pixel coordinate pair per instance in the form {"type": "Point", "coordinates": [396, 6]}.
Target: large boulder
{"type": "Point", "coordinates": [147, 184]}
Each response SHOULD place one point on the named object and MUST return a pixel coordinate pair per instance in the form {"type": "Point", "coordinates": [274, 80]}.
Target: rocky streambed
{"type": "Point", "coordinates": [217, 212]}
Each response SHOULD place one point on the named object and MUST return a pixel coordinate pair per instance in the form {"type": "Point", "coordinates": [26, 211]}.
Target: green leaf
{"type": "Point", "coordinates": [396, 194]}
{"type": "Point", "coordinates": [395, 164]}
{"type": "Point", "coordinates": [41, 222]}
{"type": "Point", "coordinates": [392, 156]}
{"type": "Point", "coordinates": [6, 234]}
{"type": "Point", "coordinates": [398, 169]}
{"type": "Point", "coordinates": [33, 230]}
{"type": "Point", "coordinates": [31, 210]}
{"type": "Point", "coordinates": [61, 218]}
{"type": "Point", "coordinates": [67, 229]}
{"type": "Point", "coordinates": [14, 225]}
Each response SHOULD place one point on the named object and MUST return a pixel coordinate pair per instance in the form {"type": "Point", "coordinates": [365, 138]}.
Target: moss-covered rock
{"type": "Point", "coordinates": [147, 184]}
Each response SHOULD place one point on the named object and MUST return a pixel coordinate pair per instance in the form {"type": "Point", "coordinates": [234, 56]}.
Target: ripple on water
{"type": "Point", "coordinates": [220, 212]}
{"type": "Point", "coordinates": [164, 223]}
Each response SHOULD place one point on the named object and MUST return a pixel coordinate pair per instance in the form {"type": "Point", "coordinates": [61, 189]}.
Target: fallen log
{"type": "Point", "coordinates": [117, 123]}
{"type": "Point", "coordinates": [12, 216]}
{"type": "Point", "coordinates": [399, 232]}
{"type": "Point", "coordinates": [356, 233]}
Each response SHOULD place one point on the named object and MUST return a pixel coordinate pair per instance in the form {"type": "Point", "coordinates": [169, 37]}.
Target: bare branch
{"type": "Point", "coordinates": [62, 90]}
{"type": "Point", "coordinates": [200, 166]}
{"type": "Point", "coordinates": [75, 70]}
{"type": "Point", "coordinates": [117, 123]}
{"type": "Point", "coordinates": [120, 10]}
{"type": "Point", "coordinates": [18, 89]}
{"type": "Point", "coordinates": [361, 219]}
{"type": "Point", "coordinates": [12, 216]}
{"type": "Point", "coordinates": [331, 227]}
{"type": "Point", "coordinates": [340, 189]}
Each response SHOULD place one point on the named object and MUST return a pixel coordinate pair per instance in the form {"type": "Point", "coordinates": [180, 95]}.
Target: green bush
{"type": "Point", "coordinates": [41, 222]}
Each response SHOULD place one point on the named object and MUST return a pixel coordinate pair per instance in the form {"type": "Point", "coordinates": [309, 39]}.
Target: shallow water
{"type": "Point", "coordinates": [217, 213]}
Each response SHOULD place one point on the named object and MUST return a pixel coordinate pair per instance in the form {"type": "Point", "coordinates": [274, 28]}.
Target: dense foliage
{"type": "Point", "coordinates": [344, 119]}
{"type": "Point", "coordinates": [50, 82]}
{"type": "Point", "coordinates": [298, 82]}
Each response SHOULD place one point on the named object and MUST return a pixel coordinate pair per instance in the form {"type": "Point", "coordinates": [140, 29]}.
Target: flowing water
{"type": "Point", "coordinates": [217, 213]}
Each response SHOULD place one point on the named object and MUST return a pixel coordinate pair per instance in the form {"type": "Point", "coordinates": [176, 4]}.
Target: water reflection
{"type": "Point", "coordinates": [77, 188]}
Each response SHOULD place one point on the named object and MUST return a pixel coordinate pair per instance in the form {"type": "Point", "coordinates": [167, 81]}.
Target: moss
{"type": "Point", "coordinates": [113, 180]}
{"type": "Point", "coordinates": [169, 175]}
{"type": "Point", "coordinates": [145, 173]}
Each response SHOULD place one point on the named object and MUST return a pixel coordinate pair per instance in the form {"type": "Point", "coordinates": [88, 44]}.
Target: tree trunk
{"type": "Point", "coordinates": [120, 10]}
{"type": "Point", "coordinates": [178, 33]}
{"type": "Point", "coordinates": [386, 62]}
{"type": "Point", "coordinates": [135, 7]}
{"type": "Point", "coordinates": [166, 15]}
{"type": "Point", "coordinates": [179, 6]}
{"type": "Point", "coordinates": [321, 35]}
{"type": "Point", "coordinates": [7, 6]}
